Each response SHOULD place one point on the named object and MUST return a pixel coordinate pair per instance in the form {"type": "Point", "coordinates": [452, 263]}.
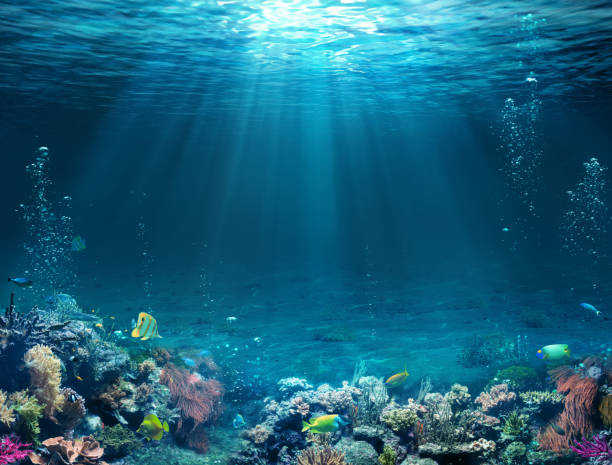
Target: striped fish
{"type": "Point", "coordinates": [146, 327]}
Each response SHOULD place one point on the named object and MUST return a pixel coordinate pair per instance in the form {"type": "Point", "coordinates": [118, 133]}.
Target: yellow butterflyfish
{"type": "Point", "coordinates": [146, 327]}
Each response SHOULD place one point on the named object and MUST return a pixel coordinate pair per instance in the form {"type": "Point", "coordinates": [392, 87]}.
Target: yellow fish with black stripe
{"type": "Point", "coordinates": [146, 327]}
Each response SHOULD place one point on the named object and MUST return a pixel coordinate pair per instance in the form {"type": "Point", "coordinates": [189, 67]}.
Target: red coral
{"type": "Point", "coordinates": [576, 420]}
{"type": "Point", "coordinates": [199, 401]}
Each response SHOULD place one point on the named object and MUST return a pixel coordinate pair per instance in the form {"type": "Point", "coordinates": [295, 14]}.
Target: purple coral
{"type": "Point", "coordinates": [11, 450]}
{"type": "Point", "coordinates": [598, 447]}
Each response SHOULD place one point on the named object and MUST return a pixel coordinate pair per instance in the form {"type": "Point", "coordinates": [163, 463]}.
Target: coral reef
{"type": "Point", "coordinates": [45, 377]}
{"type": "Point", "coordinates": [73, 409]}
{"type": "Point", "coordinates": [11, 450]}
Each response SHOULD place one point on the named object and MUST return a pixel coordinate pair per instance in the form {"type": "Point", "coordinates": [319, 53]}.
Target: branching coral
{"type": "Point", "coordinates": [112, 396]}
{"type": "Point", "coordinates": [11, 450]}
{"type": "Point", "coordinates": [598, 448]}
{"type": "Point", "coordinates": [45, 377]}
{"type": "Point", "coordinates": [576, 420]}
{"type": "Point", "coordinates": [199, 401]}
{"type": "Point", "coordinates": [318, 456]}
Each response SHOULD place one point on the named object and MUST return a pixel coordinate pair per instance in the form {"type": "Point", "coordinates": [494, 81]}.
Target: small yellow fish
{"type": "Point", "coordinates": [398, 379]}
{"type": "Point", "coordinates": [146, 327]}
{"type": "Point", "coordinates": [112, 317]}
{"type": "Point", "coordinates": [79, 378]}
{"type": "Point", "coordinates": [98, 325]}
{"type": "Point", "coordinates": [152, 428]}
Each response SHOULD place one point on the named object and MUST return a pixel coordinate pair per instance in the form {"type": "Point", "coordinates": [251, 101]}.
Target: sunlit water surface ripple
{"type": "Point", "coordinates": [397, 55]}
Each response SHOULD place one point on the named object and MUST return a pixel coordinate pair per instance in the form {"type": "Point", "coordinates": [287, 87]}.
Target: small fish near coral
{"type": "Point", "coordinates": [553, 352]}
{"type": "Point", "coordinates": [152, 428]}
{"type": "Point", "coordinates": [78, 244]}
{"type": "Point", "coordinates": [146, 327]}
{"type": "Point", "coordinates": [324, 424]}
{"type": "Point", "coordinates": [21, 282]}
{"type": "Point", "coordinates": [590, 308]}
{"type": "Point", "coordinates": [397, 379]}
{"type": "Point", "coordinates": [238, 422]}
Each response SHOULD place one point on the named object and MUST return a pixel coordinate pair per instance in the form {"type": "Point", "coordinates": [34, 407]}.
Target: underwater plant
{"type": "Point", "coordinates": [321, 456]}
{"type": "Point", "coordinates": [45, 377]}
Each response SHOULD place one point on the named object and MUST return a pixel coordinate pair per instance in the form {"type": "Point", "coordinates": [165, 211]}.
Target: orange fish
{"type": "Point", "coordinates": [79, 378]}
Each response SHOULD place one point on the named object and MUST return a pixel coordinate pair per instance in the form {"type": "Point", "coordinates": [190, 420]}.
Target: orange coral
{"type": "Point", "coordinates": [605, 410]}
{"type": "Point", "coordinates": [576, 420]}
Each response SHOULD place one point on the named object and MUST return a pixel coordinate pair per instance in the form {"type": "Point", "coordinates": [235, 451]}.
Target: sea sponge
{"type": "Point", "coordinates": [605, 410]}
{"type": "Point", "coordinates": [45, 377]}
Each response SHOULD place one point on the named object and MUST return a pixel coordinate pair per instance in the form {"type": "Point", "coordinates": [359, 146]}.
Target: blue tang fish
{"type": "Point", "coordinates": [189, 361]}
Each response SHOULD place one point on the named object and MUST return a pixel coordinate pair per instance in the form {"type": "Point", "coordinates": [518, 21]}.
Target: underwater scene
{"type": "Point", "coordinates": [305, 232]}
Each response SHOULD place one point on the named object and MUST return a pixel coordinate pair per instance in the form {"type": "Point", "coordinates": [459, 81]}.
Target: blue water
{"type": "Point", "coordinates": [296, 186]}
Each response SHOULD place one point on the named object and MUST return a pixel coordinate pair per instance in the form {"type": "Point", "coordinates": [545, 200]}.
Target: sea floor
{"type": "Point", "coordinates": [261, 327]}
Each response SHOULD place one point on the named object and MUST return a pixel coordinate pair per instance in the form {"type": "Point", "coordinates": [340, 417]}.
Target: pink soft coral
{"type": "Point", "coordinates": [11, 450]}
